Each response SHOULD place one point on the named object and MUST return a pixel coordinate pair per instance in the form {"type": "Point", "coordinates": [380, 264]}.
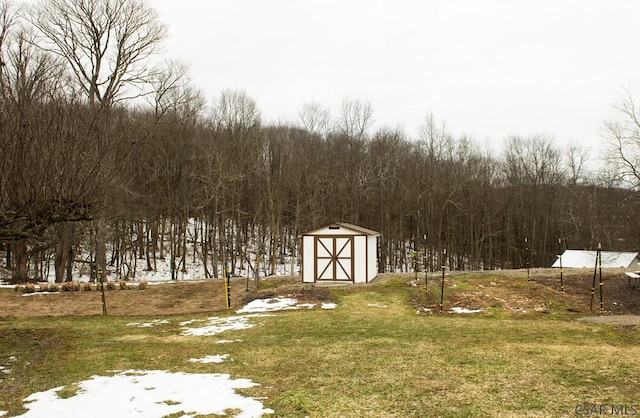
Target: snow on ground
{"type": "Point", "coordinates": [151, 393]}
{"type": "Point", "coordinates": [216, 325]}
{"type": "Point", "coordinates": [194, 271]}
{"type": "Point", "coordinates": [459, 310]}
{"type": "Point", "coordinates": [279, 304]}
{"type": "Point", "coordinates": [148, 324]}
{"type": "Point", "coordinates": [377, 305]}
{"type": "Point", "coordinates": [189, 322]}
{"type": "Point", "coordinates": [218, 358]}
{"type": "Point", "coordinates": [156, 393]}
{"type": "Point", "coordinates": [272, 304]}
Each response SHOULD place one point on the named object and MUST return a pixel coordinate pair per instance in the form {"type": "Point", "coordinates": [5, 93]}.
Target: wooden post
{"type": "Point", "coordinates": [601, 282]}
{"type": "Point", "coordinates": [444, 267]}
{"type": "Point", "coordinates": [227, 286]}
{"type": "Point", "coordinates": [527, 261]}
{"type": "Point", "coordinates": [595, 273]}
{"type": "Point", "coordinates": [560, 259]}
{"type": "Point", "coordinates": [424, 263]}
{"type": "Point", "coordinates": [102, 286]}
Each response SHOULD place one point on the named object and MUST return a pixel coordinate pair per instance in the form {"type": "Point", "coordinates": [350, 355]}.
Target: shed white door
{"type": "Point", "coordinates": [334, 258]}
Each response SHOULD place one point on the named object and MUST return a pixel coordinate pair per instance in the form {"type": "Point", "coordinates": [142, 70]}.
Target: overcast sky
{"type": "Point", "coordinates": [489, 68]}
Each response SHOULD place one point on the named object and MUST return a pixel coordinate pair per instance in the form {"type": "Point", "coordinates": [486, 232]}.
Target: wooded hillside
{"type": "Point", "coordinates": [146, 168]}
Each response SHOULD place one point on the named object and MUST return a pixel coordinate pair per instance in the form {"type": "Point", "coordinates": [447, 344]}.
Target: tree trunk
{"type": "Point", "coordinates": [62, 251]}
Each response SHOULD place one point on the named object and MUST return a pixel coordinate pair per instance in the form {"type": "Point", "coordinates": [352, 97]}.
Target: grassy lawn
{"type": "Point", "coordinates": [373, 356]}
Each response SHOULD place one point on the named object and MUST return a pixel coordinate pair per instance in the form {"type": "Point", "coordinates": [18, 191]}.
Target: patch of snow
{"type": "Point", "coordinates": [217, 325]}
{"type": "Point", "coordinates": [459, 310]}
{"type": "Point", "coordinates": [227, 341]}
{"type": "Point", "coordinates": [279, 304]}
{"type": "Point", "coordinates": [210, 359]}
{"type": "Point", "coordinates": [153, 393]}
{"type": "Point", "coordinates": [268, 305]}
{"type": "Point", "coordinates": [377, 305]}
{"type": "Point", "coordinates": [148, 324]}
{"type": "Point", "coordinates": [189, 322]}
{"type": "Point", "coordinates": [26, 295]}
{"type": "Point", "coordinates": [3, 413]}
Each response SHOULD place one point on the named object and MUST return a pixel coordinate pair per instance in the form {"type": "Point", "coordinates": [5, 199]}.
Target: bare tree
{"type": "Point", "coordinates": [434, 139]}
{"type": "Point", "coordinates": [8, 17]}
{"type": "Point", "coordinates": [173, 92]}
{"type": "Point", "coordinates": [235, 113]}
{"type": "Point", "coordinates": [356, 117]}
{"type": "Point", "coordinates": [29, 75]}
{"type": "Point", "coordinates": [106, 43]}
{"type": "Point", "coordinates": [532, 160]}
{"type": "Point", "coordinates": [623, 140]}
{"type": "Point", "coordinates": [315, 118]}
{"type": "Point", "coordinates": [577, 156]}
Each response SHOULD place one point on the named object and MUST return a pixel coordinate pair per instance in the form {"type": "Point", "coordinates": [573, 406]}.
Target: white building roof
{"type": "Point", "coordinates": [353, 228]}
{"type": "Point", "coordinates": [610, 259]}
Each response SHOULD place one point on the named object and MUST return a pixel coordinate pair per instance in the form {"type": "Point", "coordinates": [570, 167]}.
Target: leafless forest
{"type": "Point", "coordinates": [110, 156]}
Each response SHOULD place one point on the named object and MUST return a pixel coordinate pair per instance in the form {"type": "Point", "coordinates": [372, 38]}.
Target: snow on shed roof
{"type": "Point", "coordinates": [610, 259]}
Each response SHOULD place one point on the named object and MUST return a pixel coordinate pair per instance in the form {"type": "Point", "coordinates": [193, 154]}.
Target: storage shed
{"type": "Point", "coordinates": [339, 252]}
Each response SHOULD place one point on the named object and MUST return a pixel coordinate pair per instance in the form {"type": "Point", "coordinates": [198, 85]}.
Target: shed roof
{"type": "Point", "coordinates": [585, 258]}
{"type": "Point", "coordinates": [355, 228]}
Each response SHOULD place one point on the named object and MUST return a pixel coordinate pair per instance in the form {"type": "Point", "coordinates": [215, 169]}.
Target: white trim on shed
{"type": "Point", "coordinates": [339, 252]}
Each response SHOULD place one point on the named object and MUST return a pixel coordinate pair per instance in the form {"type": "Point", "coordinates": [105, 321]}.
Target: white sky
{"type": "Point", "coordinates": [488, 68]}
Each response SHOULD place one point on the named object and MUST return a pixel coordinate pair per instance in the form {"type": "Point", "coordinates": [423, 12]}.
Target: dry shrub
{"type": "Point", "coordinates": [70, 287]}
{"type": "Point", "coordinates": [142, 285]}
{"type": "Point", "coordinates": [29, 288]}
{"type": "Point", "coordinates": [50, 287]}
{"type": "Point", "coordinates": [87, 286]}
{"type": "Point", "coordinates": [19, 289]}
{"type": "Point", "coordinates": [111, 285]}
{"type": "Point", "coordinates": [42, 287]}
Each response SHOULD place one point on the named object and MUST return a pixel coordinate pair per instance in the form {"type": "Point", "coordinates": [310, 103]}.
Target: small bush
{"type": "Point", "coordinates": [142, 285]}
{"type": "Point", "coordinates": [87, 287]}
{"type": "Point", "coordinates": [111, 285]}
{"type": "Point", "coordinates": [29, 288]}
{"type": "Point", "coordinates": [19, 289]}
{"type": "Point", "coordinates": [70, 287]}
{"type": "Point", "coordinates": [49, 287]}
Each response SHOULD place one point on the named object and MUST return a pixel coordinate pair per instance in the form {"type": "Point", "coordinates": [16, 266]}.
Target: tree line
{"type": "Point", "coordinates": [111, 157]}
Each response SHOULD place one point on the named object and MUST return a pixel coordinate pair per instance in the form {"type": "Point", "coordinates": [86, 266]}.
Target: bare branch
{"type": "Point", "coordinates": [105, 42]}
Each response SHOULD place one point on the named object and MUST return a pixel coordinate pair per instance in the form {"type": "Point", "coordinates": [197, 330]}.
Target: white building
{"type": "Point", "coordinates": [339, 252]}
{"type": "Point", "coordinates": [610, 259]}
